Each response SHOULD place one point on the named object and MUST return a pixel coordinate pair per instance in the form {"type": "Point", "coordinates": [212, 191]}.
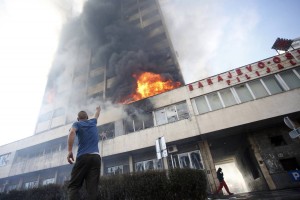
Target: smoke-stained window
{"type": "Point", "coordinates": [138, 122]}
{"type": "Point", "coordinates": [150, 15]}
{"type": "Point", "coordinates": [58, 112]}
{"type": "Point", "coordinates": [95, 80]}
{"type": "Point", "coordinates": [106, 131]}
{"type": "Point", "coordinates": [45, 117]}
{"type": "Point", "coordinates": [171, 113]}
{"type": "Point", "coordinates": [152, 26]}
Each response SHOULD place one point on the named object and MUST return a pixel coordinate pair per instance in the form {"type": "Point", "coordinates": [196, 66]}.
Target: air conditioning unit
{"type": "Point", "coordinates": [172, 149]}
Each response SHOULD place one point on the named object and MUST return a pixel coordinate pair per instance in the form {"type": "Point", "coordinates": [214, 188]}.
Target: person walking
{"type": "Point", "coordinates": [88, 160]}
{"type": "Point", "coordinates": [220, 177]}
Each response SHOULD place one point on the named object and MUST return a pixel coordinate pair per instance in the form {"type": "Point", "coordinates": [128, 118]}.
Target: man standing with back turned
{"type": "Point", "coordinates": [88, 161]}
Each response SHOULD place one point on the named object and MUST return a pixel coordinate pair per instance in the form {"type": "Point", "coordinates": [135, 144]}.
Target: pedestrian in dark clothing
{"type": "Point", "coordinates": [88, 160]}
{"type": "Point", "coordinates": [220, 177]}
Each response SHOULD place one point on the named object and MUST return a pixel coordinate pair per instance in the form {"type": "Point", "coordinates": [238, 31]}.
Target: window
{"type": "Point", "coordinates": [243, 93]}
{"type": "Point", "coordinates": [182, 111]}
{"type": "Point", "coordinates": [272, 84]}
{"type": "Point", "coordinates": [150, 14]}
{"type": "Point", "coordinates": [258, 89]}
{"type": "Point", "coordinates": [171, 113]}
{"type": "Point", "coordinates": [298, 70]}
{"type": "Point", "coordinates": [277, 140]}
{"type": "Point", "coordinates": [45, 117]}
{"type": "Point", "coordinates": [58, 112]}
{"type": "Point", "coordinates": [4, 159]}
{"type": "Point", "coordinates": [160, 117]}
{"type": "Point", "coordinates": [48, 181]}
{"type": "Point", "coordinates": [227, 97]}
{"type": "Point", "coordinates": [190, 160]}
{"type": "Point", "coordinates": [106, 131]}
{"type": "Point", "coordinates": [115, 170]}
{"type": "Point", "coordinates": [140, 122]}
{"type": "Point", "coordinates": [94, 80]}
{"type": "Point", "coordinates": [289, 164]}
{"type": "Point", "coordinates": [32, 184]}
{"type": "Point", "coordinates": [201, 105]}
{"type": "Point", "coordinates": [148, 165]}
{"type": "Point", "coordinates": [291, 79]}
{"type": "Point", "coordinates": [214, 101]}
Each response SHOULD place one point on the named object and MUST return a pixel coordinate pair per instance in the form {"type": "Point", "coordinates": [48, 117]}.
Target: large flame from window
{"type": "Point", "coordinates": [150, 84]}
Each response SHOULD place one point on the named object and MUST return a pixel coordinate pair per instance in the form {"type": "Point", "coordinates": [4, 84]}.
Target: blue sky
{"type": "Point", "coordinates": [210, 37]}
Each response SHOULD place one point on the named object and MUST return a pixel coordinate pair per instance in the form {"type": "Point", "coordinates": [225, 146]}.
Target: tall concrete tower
{"type": "Point", "coordinates": [98, 54]}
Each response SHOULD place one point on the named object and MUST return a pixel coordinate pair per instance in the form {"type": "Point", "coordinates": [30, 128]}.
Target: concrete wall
{"type": "Point", "coordinates": [273, 154]}
{"type": "Point", "coordinates": [252, 111]}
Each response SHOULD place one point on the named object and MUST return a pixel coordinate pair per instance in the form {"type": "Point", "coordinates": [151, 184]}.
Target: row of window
{"type": "Point", "coordinates": [259, 88]}
{"type": "Point", "coordinates": [252, 90]}
{"type": "Point", "coordinates": [190, 159]}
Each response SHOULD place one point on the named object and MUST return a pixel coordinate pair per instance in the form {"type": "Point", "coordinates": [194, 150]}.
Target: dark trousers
{"type": "Point", "coordinates": [86, 168]}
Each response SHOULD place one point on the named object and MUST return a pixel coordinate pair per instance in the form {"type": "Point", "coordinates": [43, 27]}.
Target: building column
{"type": "Point", "coordinates": [20, 184]}
{"type": "Point", "coordinates": [130, 161]}
{"type": "Point", "coordinates": [165, 163]}
{"type": "Point", "coordinates": [261, 163]}
{"type": "Point", "coordinates": [102, 168]}
{"type": "Point", "coordinates": [209, 165]}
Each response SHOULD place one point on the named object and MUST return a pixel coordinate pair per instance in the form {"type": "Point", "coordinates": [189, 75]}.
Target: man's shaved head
{"type": "Point", "coordinates": [82, 115]}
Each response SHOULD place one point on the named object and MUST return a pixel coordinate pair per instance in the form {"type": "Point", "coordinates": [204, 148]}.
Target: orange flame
{"type": "Point", "coordinates": [150, 84]}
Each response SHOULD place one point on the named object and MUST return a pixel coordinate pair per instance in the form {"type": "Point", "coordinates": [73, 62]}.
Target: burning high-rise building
{"type": "Point", "coordinates": [117, 54]}
{"type": "Point", "coordinates": [116, 51]}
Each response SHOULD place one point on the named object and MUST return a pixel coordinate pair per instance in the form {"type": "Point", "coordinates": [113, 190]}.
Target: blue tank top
{"type": "Point", "coordinates": [87, 134]}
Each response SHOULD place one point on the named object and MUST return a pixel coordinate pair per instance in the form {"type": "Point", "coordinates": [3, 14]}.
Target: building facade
{"type": "Point", "coordinates": [233, 117]}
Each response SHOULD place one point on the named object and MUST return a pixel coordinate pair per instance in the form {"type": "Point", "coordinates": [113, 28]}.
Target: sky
{"type": "Point", "coordinates": [209, 36]}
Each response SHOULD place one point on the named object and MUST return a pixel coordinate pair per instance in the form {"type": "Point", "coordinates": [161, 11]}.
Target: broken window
{"type": "Point", "coordinates": [48, 181]}
{"type": "Point", "coordinates": [277, 140]}
{"type": "Point", "coordinates": [191, 160]}
{"type": "Point", "coordinates": [115, 170]}
{"type": "Point", "coordinates": [171, 113]}
{"type": "Point", "coordinates": [153, 164]}
{"type": "Point", "coordinates": [106, 131]}
{"type": "Point", "coordinates": [289, 164]}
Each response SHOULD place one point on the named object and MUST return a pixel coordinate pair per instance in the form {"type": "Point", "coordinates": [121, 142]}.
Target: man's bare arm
{"type": "Point", "coordinates": [97, 113]}
{"type": "Point", "coordinates": [71, 138]}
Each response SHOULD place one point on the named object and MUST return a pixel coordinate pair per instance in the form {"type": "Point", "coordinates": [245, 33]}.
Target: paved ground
{"type": "Point", "coordinates": [287, 194]}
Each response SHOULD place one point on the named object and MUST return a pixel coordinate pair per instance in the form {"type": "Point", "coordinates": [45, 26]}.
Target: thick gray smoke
{"type": "Point", "coordinates": [109, 41]}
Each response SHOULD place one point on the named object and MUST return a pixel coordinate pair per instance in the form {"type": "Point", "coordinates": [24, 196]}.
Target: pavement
{"type": "Point", "coordinates": [285, 194]}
